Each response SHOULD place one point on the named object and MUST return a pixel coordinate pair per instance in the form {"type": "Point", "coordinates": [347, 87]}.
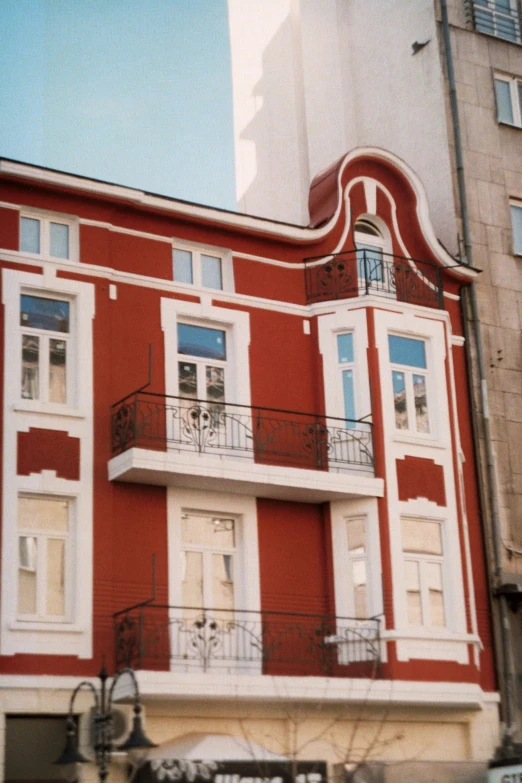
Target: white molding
{"type": "Point", "coordinates": [75, 638]}
{"type": "Point", "coordinates": [122, 230]}
{"type": "Point", "coordinates": [263, 226]}
{"type": "Point", "coordinates": [458, 340]}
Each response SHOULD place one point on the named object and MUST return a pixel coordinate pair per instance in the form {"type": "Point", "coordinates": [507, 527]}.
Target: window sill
{"type": "Point", "coordinates": [510, 125]}
{"type": "Point", "coordinates": [32, 406]}
{"type": "Point", "coordinates": [41, 626]}
{"type": "Point", "coordinates": [418, 440]}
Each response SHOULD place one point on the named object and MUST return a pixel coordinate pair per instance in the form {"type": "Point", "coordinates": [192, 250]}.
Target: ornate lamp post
{"type": "Point", "coordinates": [135, 745]}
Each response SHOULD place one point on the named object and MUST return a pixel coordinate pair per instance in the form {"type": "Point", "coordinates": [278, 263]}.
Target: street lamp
{"type": "Point", "coordinates": [136, 744]}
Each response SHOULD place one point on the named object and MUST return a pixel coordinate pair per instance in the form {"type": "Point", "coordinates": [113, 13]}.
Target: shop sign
{"type": "Point", "coordinates": [509, 774]}
{"type": "Point", "coordinates": [185, 771]}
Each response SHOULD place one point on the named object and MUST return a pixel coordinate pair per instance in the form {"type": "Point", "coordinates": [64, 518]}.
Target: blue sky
{"type": "Point", "coordinates": [136, 92]}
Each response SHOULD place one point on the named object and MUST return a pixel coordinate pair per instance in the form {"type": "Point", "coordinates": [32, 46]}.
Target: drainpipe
{"type": "Point", "coordinates": [491, 477]}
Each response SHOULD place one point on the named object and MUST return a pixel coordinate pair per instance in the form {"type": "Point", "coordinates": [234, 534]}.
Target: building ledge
{"type": "Point", "coordinates": [240, 476]}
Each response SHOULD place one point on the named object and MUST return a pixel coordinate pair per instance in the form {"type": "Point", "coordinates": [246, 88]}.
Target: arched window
{"type": "Point", "coordinates": [370, 244]}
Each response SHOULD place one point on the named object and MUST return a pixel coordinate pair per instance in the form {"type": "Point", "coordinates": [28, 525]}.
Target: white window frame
{"type": "Point", "coordinates": [517, 240]}
{"type": "Point", "coordinates": [422, 559]}
{"type": "Point", "coordinates": [69, 539]}
{"type": "Point", "coordinates": [409, 371]}
{"type": "Point", "coordinates": [515, 83]}
{"type": "Point", "coordinates": [44, 337]}
{"type": "Point", "coordinates": [496, 17]}
{"type": "Point", "coordinates": [46, 218]}
{"type": "Point", "coordinates": [47, 638]}
{"type": "Point", "coordinates": [236, 325]}
{"type": "Point", "coordinates": [202, 362]}
{"type": "Point", "coordinates": [197, 250]}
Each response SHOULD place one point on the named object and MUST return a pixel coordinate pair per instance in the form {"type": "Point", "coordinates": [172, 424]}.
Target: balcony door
{"type": "Point", "coordinates": [370, 246]}
{"type": "Point", "coordinates": [209, 632]}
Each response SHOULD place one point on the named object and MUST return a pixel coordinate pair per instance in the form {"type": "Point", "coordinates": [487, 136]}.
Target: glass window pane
{"type": "Point", "coordinates": [55, 596]}
{"type": "Point", "coordinates": [202, 341]}
{"type": "Point", "coordinates": [187, 380]}
{"type": "Point", "coordinates": [399, 400]}
{"type": "Point", "coordinates": [182, 261]}
{"type": "Point", "coordinates": [421, 537]}
{"type": "Point", "coordinates": [411, 575]}
{"type": "Point", "coordinates": [516, 223]}
{"type": "Point", "coordinates": [211, 272]}
{"type": "Point", "coordinates": [504, 107]}
{"type": "Point", "coordinates": [360, 589]}
{"type": "Point", "coordinates": [222, 582]}
{"type": "Point", "coordinates": [39, 313]}
{"type": "Point", "coordinates": [215, 380]}
{"type": "Point", "coordinates": [345, 348]}
{"type": "Point", "coordinates": [27, 575]}
{"type": "Point", "coordinates": [30, 358]}
{"type": "Point", "coordinates": [207, 531]}
{"type": "Point", "coordinates": [356, 532]}
{"type": "Point", "coordinates": [414, 607]}
{"type": "Point", "coordinates": [59, 240]}
{"type": "Point", "coordinates": [43, 514]}
{"type": "Point", "coordinates": [369, 262]}
{"type": "Point", "coordinates": [29, 235]}
{"type": "Point", "coordinates": [421, 403]}
{"type": "Point", "coordinates": [406, 350]}
{"type": "Point", "coordinates": [348, 395]}
{"type": "Point", "coordinates": [191, 580]}
{"type": "Point", "coordinates": [57, 363]}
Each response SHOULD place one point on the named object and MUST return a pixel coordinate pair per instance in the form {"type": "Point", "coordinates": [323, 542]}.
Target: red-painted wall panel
{"type": "Point", "coordinates": [41, 449]}
{"type": "Point", "coordinates": [420, 478]}
{"type": "Point", "coordinates": [9, 228]}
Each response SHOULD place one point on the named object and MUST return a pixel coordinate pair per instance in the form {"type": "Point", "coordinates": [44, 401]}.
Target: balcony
{"type": "Point", "coordinates": [369, 272]}
{"type": "Point", "coordinates": [158, 439]}
{"type": "Point", "coordinates": [221, 641]}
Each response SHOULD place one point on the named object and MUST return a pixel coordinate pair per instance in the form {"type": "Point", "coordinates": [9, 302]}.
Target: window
{"type": "Point", "coordinates": [197, 268]}
{"type": "Point", "coordinates": [44, 541]}
{"type": "Point", "coordinates": [423, 572]}
{"type": "Point", "coordinates": [46, 236]}
{"type": "Point", "coordinates": [45, 327]}
{"type": "Point", "coordinates": [208, 559]}
{"type": "Point", "coordinates": [357, 565]}
{"type": "Point", "coordinates": [516, 225]}
{"type": "Point", "coordinates": [347, 367]}
{"type": "Point", "coordinates": [369, 244]}
{"type": "Point", "coordinates": [407, 357]}
{"type": "Point", "coordinates": [199, 378]}
{"type": "Point", "coordinates": [508, 93]}
{"type": "Point", "coordinates": [500, 18]}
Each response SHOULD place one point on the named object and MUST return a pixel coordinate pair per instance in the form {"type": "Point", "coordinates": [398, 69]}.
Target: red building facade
{"type": "Point", "coordinates": [271, 420]}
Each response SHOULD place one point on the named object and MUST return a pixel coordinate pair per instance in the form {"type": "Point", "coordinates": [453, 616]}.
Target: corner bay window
{"type": "Point", "coordinates": [45, 327]}
{"type": "Point", "coordinates": [357, 554]}
{"type": "Point", "coordinates": [196, 268]}
{"type": "Point", "coordinates": [407, 357]}
{"type": "Point", "coordinates": [44, 236]}
{"type": "Point", "coordinates": [203, 376]}
{"type": "Point", "coordinates": [44, 533]}
{"type": "Point", "coordinates": [423, 572]}
{"type": "Point", "coordinates": [345, 358]}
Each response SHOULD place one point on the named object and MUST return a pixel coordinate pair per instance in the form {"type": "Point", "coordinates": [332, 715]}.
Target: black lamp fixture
{"type": "Point", "coordinates": [136, 745]}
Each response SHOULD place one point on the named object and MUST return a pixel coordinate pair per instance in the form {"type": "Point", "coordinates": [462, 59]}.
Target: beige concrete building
{"type": "Point", "coordinates": [314, 78]}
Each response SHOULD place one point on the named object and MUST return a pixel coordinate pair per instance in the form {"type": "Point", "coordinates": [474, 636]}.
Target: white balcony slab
{"type": "Point", "coordinates": [240, 476]}
{"type": "Point", "coordinates": [166, 686]}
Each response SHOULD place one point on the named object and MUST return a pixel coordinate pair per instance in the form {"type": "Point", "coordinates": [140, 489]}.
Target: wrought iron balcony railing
{"type": "Point", "coordinates": [193, 639]}
{"type": "Point", "coordinates": [360, 272]}
{"type": "Point", "coordinates": [264, 435]}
